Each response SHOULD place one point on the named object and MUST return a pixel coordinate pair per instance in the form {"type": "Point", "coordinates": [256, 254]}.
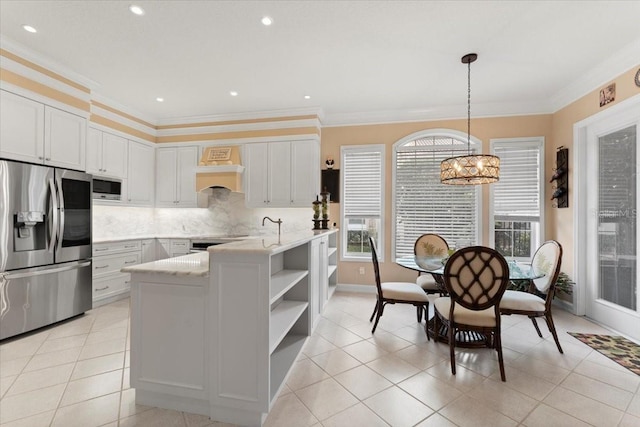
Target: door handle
{"type": "Point", "coordinates": [47, 271]}
{"type": "Point", "coordinates": [54, 214]}
{"type": "Point", "coordinates": [101, 266]}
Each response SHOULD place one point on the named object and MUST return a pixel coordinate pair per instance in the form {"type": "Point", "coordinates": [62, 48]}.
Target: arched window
{"type": "Point", "coordinates": [421, 203]}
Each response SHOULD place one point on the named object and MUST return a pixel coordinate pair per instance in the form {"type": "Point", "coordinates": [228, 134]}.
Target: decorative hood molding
{"type": "Point", "coordinates": [229, 176]}
{"type": "Point", "coordinates": [220, 167]}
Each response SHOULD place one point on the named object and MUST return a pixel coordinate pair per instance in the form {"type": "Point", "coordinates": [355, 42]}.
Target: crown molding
{"type": "Point", "coordinates": [450, 112]}
{"type": "Point", "coordinates": [46, 62]}
{"type": "Point", "coordinates": [123, 108]}
{"type": "Point", "coordinates": [615, 65]}
{"type": "Point", "coordinates": [269, 114]}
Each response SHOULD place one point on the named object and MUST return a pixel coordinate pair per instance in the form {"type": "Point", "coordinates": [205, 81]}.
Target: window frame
{"type": "Point", "coordinates": [536, 141]}
{"type": "Point", "coordinates": [475, 143]}
{"type": "Point", "coordinates": [378, 148]}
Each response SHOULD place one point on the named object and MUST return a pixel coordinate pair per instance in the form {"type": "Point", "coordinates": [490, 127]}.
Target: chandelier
{"type": "Point", "coordinates": [471, 169]}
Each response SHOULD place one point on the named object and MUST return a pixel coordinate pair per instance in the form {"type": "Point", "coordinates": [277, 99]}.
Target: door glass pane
{"type": "Point", "coordinates": [617, 217]}
{"type": "Point", "coordinates": [77, 203]}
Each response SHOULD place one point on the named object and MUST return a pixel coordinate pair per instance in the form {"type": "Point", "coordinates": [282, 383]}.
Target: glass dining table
{"type": "Point", "coordinates": [435, 266]}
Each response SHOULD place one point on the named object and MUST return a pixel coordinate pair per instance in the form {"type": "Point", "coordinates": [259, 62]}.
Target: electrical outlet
{"type": "Point", "coordinates": [361, 270]}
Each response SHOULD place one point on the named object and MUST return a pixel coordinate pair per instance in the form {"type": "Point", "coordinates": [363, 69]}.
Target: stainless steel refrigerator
{"type": "Point", "coordinates": [45, 246]}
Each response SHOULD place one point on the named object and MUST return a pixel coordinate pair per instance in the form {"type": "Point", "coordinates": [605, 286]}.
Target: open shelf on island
{"type": "Point", "coordinates": [283, 318]}
{"type": "Point", "coordinates": [282, 359]}
{"type": "Point", "coordinates": [284, 280]}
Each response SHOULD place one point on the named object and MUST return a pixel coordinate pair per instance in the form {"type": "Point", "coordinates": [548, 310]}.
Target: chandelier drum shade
{"type": "Point", "coordinates": [471, 169]}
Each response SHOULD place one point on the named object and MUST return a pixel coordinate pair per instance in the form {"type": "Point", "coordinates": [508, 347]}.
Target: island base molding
{"type": "Point", "coordinates": [201, 407]}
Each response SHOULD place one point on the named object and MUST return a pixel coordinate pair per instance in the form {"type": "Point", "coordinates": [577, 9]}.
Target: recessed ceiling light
{"type": "Point", "coordinates": [307, 97]}
{"type": "Point", "coordinates": [233, 93]}
{"type": "Point", "coordinates": [160, 99]}
{"type": "Point", "coordinates": [136, 10]}
{"type": "Point", "coordinates": [266, 21]}
{"type": "Point", "coordinates": [29, 28]}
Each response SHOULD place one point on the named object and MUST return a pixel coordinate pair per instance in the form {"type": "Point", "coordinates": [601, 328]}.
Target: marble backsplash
{"type": "Point", "coordinates": [226, 215]}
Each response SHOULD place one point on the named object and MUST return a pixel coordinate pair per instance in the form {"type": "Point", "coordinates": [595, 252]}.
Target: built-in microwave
{"type": "Point", "coordinates": [107, 189]}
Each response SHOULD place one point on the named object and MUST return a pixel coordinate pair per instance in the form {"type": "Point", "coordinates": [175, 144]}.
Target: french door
{"type": "Point", "coordinates": [611, 263]}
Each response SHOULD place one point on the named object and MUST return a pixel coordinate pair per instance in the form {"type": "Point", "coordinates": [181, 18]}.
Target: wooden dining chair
{"type": "Point", "coordinates": [430, 245]}
{"type": "Point", "coordinates": [396, 293]}
{"type": "Point", "coordinates": [476, 277]}
{"type": "Point", "coordinates": [536, 301]}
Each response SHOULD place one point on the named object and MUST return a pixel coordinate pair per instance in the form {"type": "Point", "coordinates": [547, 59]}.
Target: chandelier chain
{"type": "Point", "coordinates": [469, 108]}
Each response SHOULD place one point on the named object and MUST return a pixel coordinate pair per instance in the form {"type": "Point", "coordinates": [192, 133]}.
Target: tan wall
{"type": "Point", "coordinates": [483, 128]}
{"type": "Point", "coordinates": [560, 221]}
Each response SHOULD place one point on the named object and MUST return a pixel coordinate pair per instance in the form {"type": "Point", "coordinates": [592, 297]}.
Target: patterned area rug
{"type": "Point", "coordinates": [618, 349]}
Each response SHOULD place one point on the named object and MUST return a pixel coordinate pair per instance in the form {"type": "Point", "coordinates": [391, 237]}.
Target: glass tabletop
{"type": "Point", "coordinates": [517, 270]}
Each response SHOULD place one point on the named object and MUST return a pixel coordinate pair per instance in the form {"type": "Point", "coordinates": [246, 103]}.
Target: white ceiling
{"type": "Point", "coordinates": [360, 61]}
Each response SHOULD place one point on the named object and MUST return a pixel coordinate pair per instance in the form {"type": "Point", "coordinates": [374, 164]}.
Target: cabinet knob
{"type": "Point", "coordinates": [40, 157]}
{"type": "Point", "coordinates": [48, 158]}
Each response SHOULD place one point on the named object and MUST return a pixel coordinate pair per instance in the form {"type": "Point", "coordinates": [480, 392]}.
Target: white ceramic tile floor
{"type": "Point", "coordinates": [77, 374]}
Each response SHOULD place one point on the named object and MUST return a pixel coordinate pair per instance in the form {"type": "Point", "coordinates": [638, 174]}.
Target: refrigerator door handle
{"type": "Point", "coordinates": [54, 214]}
{"type": "Point", "coordinates": [10, 276]}
{"type": "Point", "coordinates": [61, 202]}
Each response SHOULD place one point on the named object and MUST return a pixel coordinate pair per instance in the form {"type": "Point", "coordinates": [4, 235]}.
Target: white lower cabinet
{"type": "Point", "coordinates": [148, 251]}
{"type": "Point", "coordinates": [170, 248]}
{"type": "Point", "coordinates": [109, 284]}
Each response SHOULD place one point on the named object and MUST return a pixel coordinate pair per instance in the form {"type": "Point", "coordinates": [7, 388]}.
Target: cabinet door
{"type": "Point", "coordinates": [323, 280]}
{"type": "Point", "coordinates": [256, 175]}
{"type": "Point", "coordinates": [65, 139]}
{"type": "Point", "coordinates": [94, 151]}
{"type": "Point", "coordinates": [305, 172]}
{"type": "Point", "coordinates": [279, 174]}
{"type": "Point", "coordinates": [21, 129]}
{"type": "Point", "coordinates": [114, 155]}
{"type": "Point", "coordinates": [163, 248]}
{"type": "Point", "coordinates": [314, 281]}
{"type": "Point", "coordinates": [187, 158]}
{"type": "Point", "coordinates": [166, 176]}
{"type": "Point", "coordinates": [140, 182]}
{"type": "Point", "coordinates": [148, 252]}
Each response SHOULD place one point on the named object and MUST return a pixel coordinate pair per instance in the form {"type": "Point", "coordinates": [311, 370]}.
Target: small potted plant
{"type": "Point", "coordinates": [564, 284]}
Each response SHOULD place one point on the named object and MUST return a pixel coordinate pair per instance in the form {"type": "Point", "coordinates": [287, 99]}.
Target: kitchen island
{"type": "Point", "coordinates": [216, 333]}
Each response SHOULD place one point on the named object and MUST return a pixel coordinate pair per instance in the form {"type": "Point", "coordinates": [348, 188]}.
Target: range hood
{"type": "Point", "coordinates": [220, 167]}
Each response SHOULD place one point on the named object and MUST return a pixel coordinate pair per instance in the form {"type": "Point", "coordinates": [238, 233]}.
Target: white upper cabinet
{"type": "Point", "coordinates": [176, 176]}
{"type": "Point", "coordinates": [106, 154]}
{"type": "Point", "coordinates": [36, 133]}
{"type": "Point", "coordinates": [141, 177]}
{"type": "Point", "coordinates": [282, 174]}
{"type": "Point", "coordinates": [22, 128]}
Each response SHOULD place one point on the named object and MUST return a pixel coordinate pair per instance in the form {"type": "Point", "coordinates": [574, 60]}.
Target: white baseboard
{"type": "Point", "coordinates": [346, 287]}
{"type": "Point", "coordinates": [565, 305]}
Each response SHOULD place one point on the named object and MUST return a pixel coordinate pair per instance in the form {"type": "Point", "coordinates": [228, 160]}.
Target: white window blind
{"type": "Point", "coordinates": [516, 197]}
{"type": "Point", "coordinates": [362, 196]}
{"type": "Point", "coordinates": [423, 204]}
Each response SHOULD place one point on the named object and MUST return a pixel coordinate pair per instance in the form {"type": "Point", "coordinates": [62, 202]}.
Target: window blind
{"type": "Point", "coordinates": [516, 197]}
{"type": "Point", "coordinates": [424, 205]}
{"type": "Point", "coordinates": [362, 192]}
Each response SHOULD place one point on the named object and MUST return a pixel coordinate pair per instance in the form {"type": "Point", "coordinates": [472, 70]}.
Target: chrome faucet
{"type": "Point", "coordinates": [279, 222]}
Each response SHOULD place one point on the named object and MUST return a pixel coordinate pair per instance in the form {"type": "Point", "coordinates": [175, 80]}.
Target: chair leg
{"type": "Point", "coordinates": [419, 313]}
{"type": "Point", "coordinates": [498, 344]}
{"type": "Point", "coordinates": [552, 329]}
{"type": "Point", "coordinates": [452, 345]}
{"type": "Point", "coordinates": [535, 325]}
{"type": "Point", "coordinates": [375, 310]}
{"type": "Point", "coordinates": [379, 314]}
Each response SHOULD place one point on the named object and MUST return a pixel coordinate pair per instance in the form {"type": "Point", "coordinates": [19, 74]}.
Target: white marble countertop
{"type": "Point", "coordinates": [193, 265]}
{"type": "Point", "coordinates": [269, 244]}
